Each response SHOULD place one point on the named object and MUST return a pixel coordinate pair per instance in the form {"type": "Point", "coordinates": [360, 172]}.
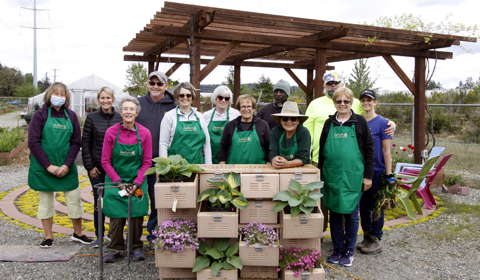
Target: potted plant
{"type": "Point", "coordinates": [454, 184]}
{"type": "Point", "coordinates": [176, 186]}
{"type": "Point", "coordinates": [217, 258]}
{"type": "Point", "coordinates": [259, 245]}
{"type": "Point", "coordinates": [175, 243]}
{"type": "Point", "coordinates": [298, 263]}
{"type": "Point", "coordinates": [301, 216]}
{"type": "Point", "coordinates": [218, 213]}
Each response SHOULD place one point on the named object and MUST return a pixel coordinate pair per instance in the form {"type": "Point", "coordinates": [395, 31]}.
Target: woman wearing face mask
{"type": "Point", "coordinates": [218, 117]}
{"type": "Point", "coordinates": [54, 141]}
{"type": "Point", "coordinates": [94, 129]}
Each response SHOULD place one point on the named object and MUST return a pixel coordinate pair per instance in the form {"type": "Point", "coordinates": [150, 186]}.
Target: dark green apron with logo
{"type": "Point", "coordinates": [55, 142]}
{"type": "Point", "coordinates": [126, 160]}
{"type": "Point", "coordinates": [215, 129]}
{"type": "Point", "coordinates": [246, 148]}
{"type": "Point", "coordinates": [287, 152]}
{"type": "Point", "coordinates": [188, 141]}
{"type": "Point", "coordinates": [343, 170]}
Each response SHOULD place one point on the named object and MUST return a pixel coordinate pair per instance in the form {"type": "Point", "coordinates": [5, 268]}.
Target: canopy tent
{"type": "Point", "coordinates": [84, 94]}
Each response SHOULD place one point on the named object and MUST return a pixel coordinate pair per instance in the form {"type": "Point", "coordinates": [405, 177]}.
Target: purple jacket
{"type": "Point", "coordinates": [35, 135]}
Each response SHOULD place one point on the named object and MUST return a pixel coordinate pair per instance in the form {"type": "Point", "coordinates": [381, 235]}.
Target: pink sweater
{"type": "Point", "coordinates": [126, 137]}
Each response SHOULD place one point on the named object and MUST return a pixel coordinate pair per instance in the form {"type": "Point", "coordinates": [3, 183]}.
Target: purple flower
{"type": "Point", "coordinates": [257, 233]}
{"type": "Point", "coordinates": [176, 235]}
{"type": "Point", "coordinates": [299, 260]}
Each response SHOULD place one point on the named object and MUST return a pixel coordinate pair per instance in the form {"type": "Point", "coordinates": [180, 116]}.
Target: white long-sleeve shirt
{"type": "Point", "coordinates": [169, 124]}
{"type": "Point", "coordinates": [232, 114]}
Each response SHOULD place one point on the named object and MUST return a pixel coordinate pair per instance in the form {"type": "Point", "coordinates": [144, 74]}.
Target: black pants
{"type": "Point", "coordinates": [152, 219]}
{"type": "Point", "coordinates": [94, 181]}
{"type": "Point", "coordinates": [116, 230]}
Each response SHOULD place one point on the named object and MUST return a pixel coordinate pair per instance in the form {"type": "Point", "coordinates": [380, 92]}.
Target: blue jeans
{"type": "Point", "coordinates": [152, 219]}
{"type": "Point", "coordinates": [343, 229]}
{"type": "Point", "coordinates": [94, 181]}
{"type": "Point", "coordinates": [371, 226]}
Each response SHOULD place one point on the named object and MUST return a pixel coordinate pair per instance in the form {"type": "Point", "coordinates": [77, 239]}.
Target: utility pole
{"type": "Point", "coordinates": [55, 74]}
{"type": "Point", "coordinates": [34, 39]}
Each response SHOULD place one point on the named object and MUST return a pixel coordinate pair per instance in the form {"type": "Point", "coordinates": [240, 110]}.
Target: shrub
{"type": "Point", "coordinates": [11, 138]}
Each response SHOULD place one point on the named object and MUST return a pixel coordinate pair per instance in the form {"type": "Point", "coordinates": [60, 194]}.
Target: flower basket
{"type": "Point", "coordinates": [297, 263]}
{"type": "Point", "coordinates": [315, 274]}
{"type": "Point", "coordinates": [258, 245]}
{"type": "Point", "coordinates": [184, 259]}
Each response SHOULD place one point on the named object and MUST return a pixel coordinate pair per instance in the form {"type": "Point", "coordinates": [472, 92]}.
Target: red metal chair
{"type": "Point", "coordinates": [424, 190]}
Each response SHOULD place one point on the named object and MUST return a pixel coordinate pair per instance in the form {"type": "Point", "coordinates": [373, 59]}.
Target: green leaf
{"type": "Point", "coordinates": [236, 192]}
{"type": "Point", "coordinates": [162, 170]}
{"type": "Point", "coordinates": [295, 211]}
{"type": "Point", "coordinates": [282, 196]}
{"type": "Point", "coordinates": [203, 247]}
{"type": "Point", "coordinates": [201, 262]}
{"type": "Point", "coordinates": [279, 206]}
{"type": "Point", "coordinates": [186, 173]}
{"type": "Point", "coordinates": [205, 194]}
{"type": "Point", "coordinates": [232, 250]}
{"type": "Point", "coordinates": [233, 179]}
{"type": "Point", "coordinates": [213, 198]}
{"type": "Point", "coordinates": [221, 244]}
{"type": "Point", "coordinates": [227, 266]}
{"type": "Point", "coordinates": [294, 201]}
{"type": "Point", "coordinates": [309, 202]}
{"type": "Point", "coordinates": [216, 267]}
{"type": "Point", "coordinates": [214, 253]}
{"type": "Point", "coordinates": [161, 160]}
{"type": "Point", "coordinates": [306, 210]}
{"type": "Point", "coordinates": [315, 196]}
{"type": "Point", "coordinates": [407, 204]}
{"type": "Point", "coordinates": [314, 186]}
{"type": "Point", "coordinates": [176, 159]}
{"type": "Point", "coordinates": [235, 261]}
{"type": "Point", "coordinates": [240, 203]}
{"type": "Point", "coordinates": [295, 186]}
{"type": "Point", "coordinates": [150, 171]}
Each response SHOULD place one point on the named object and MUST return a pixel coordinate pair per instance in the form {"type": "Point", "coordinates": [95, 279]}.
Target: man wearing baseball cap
{"type": "Point", "coordinates": [154, 104]}
{"type": "Point", "coordinates": [281, 92]}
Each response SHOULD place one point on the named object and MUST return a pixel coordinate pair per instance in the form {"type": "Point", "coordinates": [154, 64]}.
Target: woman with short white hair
{"type": "Point", "coordinates": [218, 117]}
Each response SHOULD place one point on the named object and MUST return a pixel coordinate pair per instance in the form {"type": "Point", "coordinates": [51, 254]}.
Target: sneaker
{"type": "Point", "coordinates": [138, 255]}
{"type": "Point", "coordinates": [81, 239]}
{"type": "Point", "coordinates": [113, 257]}
{"type": "Point", "coordinates": [346, 260]}
{"type": "Point", "coordinates": [46, 243]}
{"type": "Point", "coordinates": [374, 247]}
{"type": "Point", "coordinates": [95, 243]}
{"type": "Point", "coordinates": [334, 258]}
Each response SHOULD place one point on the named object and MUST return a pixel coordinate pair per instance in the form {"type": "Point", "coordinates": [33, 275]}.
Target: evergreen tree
{"type": "Point", "coordinates": [264, 87]}
{"type": "Point", "coordinates": [137, 77]}
{"type": "Point", "coordinates": [359, 79]}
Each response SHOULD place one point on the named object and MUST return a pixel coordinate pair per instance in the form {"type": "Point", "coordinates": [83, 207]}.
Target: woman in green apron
{"type": "Point", "coordinates": [245, 140]}
{"type": "Point", "coordinates": [289, 142]}
{"type": "Point", "coordinates": [346, 162]}
{"type": "Point", "coordinates": [183, 131]}
{"type": "Point", "coordinates": [218, 117]}
{"type": "Point", "coordinates": [126, 155]}
{"type": "Point", "coordinates": [54, 141]}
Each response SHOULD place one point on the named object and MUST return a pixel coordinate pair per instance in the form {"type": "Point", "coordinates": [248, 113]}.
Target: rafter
{"type": "Point", "coordinates": [217, 60]}
{"type": "Point", "coordinates": [400, 73]}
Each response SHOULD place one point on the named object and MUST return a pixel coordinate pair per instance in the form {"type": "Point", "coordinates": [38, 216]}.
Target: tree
{"type": "Point", "coordinates": [10, 78]}
{"type": "Point", "coordinates": [229, 78]}
{"type": "Point", "coordinates": [433, 85]}
{"type": "Point", "coordinates": [359, 79]}
{"type": "Point", "coordinates": [136, 77]}
{"type": "Point", "coordinates": [264, 89]}
{"type": "Point", "coordinates": [25, 90]}
{"type": "Point", "coordinates": [43, 84]}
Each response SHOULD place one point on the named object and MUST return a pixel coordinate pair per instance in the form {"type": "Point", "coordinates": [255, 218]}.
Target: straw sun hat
{"type": "Point", "coordinates": [289, 109]}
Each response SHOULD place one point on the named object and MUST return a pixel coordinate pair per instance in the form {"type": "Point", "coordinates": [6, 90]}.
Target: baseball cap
{"type": "Point", "coordinates": [332, 77]}
{"type": "Point", "coordinates": [368, 92]}
{"type": "Point", "coordinates": [159, 75]}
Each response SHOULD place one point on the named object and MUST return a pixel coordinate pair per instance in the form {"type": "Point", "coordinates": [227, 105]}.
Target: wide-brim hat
{"type": "Point", "coordinates": [289, 109]}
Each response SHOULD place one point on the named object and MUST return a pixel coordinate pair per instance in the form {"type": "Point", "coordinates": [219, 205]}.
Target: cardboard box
{"type": "Point", "coordinates": [303, 178]}
{"type": "Point", "coordinates": [168, 214]}
{"type": "Point", "coordinates": [184, 259]}
{"type": "Point", "coordinates": [259, 185]}
{"type": "Point", "coordinates": [311, 243]}
{"type": "Point", "coordinates": [217, 224]}
{"type": "Point", "coordinates": [176, 273]}
{"type": "Point", "coordinates": [260, 212]}
{"type": "Point", "coordinates": [302, 226]}
{"type": "Point", "coordinates": [206, 274]}
{"type": "Point", "coordinates": [258, 255]}
{"type": "Point", "coordinates": [259, 272]}
{"type": "Point", "coordinates": [176, 194]}
{"type": "Point", "coordinates": [316, 274]}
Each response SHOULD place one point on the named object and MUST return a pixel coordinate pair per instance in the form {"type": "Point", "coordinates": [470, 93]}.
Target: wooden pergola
{"type": "Point", "coordinates": [199, 35]}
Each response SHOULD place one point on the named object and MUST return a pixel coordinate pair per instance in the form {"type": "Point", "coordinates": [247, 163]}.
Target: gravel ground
{"type": "Point", "coordinates": [443, 248]}
{"type": "Point", "coordinates": [12, 120]}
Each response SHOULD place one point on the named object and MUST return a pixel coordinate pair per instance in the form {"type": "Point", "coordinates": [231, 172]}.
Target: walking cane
{"type": "Point", "coordinates": [130, 228]}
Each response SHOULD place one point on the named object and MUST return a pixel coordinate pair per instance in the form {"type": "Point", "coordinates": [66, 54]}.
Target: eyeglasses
{"type": "Point", "coordinates": [188, 95]}
{"type": "Point", "coordinates": [152, 83]}
{"type": "Point", "coordinates": [332, 83]}
{"type": "Point", "coordinates": [338, 102]}
{"type": "Point", "coordinates": [246, 107]}
{"type": "Point", "coordinates": [286, 119]}
{"type": "Point", "coordinates": [220, 98]}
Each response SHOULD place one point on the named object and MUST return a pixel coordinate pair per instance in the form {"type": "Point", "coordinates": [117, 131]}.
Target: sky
{"type": "Point", "coordinates": [86, 37]}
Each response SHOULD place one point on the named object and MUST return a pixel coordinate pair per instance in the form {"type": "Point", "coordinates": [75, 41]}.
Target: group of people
{"type": "Point", "coordinates": [118, 147]}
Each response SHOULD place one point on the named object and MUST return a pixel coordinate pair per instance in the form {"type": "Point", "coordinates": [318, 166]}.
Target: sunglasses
{"type": "Point", "coordinates": [220, 98]}
{"type": "Point", "coordinates": [160, 84]}
{"type": "Point", "coordinates": [338, 102]}
{"type": "Point", "coordinates": [286, 119]}
{"type": "Point", "coordinates": [188, 95]}
{"type": "Point", "coordinates": [332, 83]}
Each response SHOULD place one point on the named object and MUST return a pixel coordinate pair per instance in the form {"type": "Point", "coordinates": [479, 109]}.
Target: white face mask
{"type": "Point", "coordinates": [57, 101]}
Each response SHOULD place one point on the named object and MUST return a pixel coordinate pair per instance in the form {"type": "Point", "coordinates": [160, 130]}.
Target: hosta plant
{"type": "Point", "coordinates": [299, 198]}
{"type": "Point", "coordinates": [173, 169]}
{"type": "Point", "coordinates": [176, 235]}
{"type": "Point", "coordinates": [257, 233]}
{"type": "Point", "coordinates": [219, 254]}
{"type": "Point", "coordinates": [224, 192]}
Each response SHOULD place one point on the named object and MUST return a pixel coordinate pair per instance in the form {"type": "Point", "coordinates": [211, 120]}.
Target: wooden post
{"type": "Point", "coordinates": [195, 59]}
{"type": "Point", "coordinates": [419, 107]}
{"type": "Point", "coordinates": [236, 83]}
{"type": "Point", "coordinates": [309, 94]}
{"type": "Point", "coordinates": [151, 65]}
{"type": "Point", "coordinates": [320, 63]}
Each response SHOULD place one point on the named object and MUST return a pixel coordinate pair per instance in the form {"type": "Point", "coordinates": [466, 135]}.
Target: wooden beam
{"type": "Point", "coordinates": [419, 125]}
{"type": "Point", "coordinates": [195, 60]}
{"type": "Point", "coordinates": [226, 36]}
{"type": "Point", "coordinates": [236, 83]}
{"type": "Point", "coordinates": [296, 79]}
{"type": "Point", "coordinates": [157, 61]}
{"type": "Point", "coordinates": [435, 44]}
{"type": "Point", "coordinates": [321, 61]}
{"type": "Point", "coordinates": [398, 70]}
{"type": "Point", "coordinates": [151, 65]}
{"type": "Point", "coordinates": [173, 69]}
{"type": "Point", "coordinates": [217, 60]}
{"type": "Point", "coordinates": [309, 92]}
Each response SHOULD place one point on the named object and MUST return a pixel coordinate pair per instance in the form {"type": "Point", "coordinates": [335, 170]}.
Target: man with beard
{"type": "Point", "coordinates": [154, 105]}
{"type": "Point", "coordinates": [281, 91]}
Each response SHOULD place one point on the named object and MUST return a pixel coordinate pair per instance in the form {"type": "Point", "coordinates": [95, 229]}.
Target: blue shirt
{"type": "Point", "coordinates": [377, 128]}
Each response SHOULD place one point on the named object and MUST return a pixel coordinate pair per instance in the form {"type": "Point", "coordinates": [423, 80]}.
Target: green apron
{"type": "Point", "coordinates": [343, 170]}
{"type": "Point", "coordinates": [246, 148]}
{"type": "Point", "coordinates": [188, 141]}
{"type": "Point", "coordinates": [126, 160]}
{"type": "Point", "coordinates": [215, 129]}
{"type": "Point", "coordinates": [287, 152]}
{"type": "Point", "coordinates": [55, 142]}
